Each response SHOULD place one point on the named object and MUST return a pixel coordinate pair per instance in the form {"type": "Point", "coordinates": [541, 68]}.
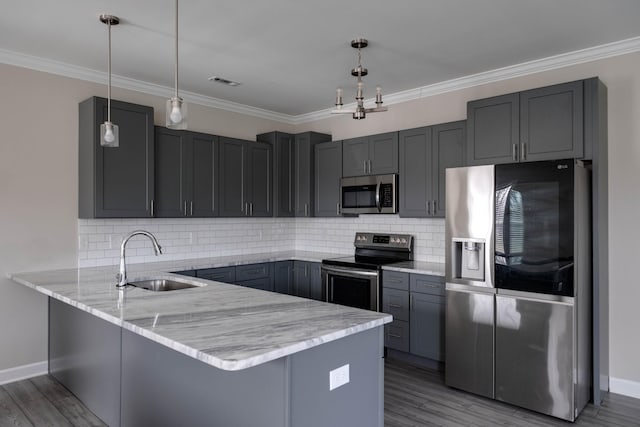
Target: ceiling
{"type": "Point", "coordinates": [290, 55]}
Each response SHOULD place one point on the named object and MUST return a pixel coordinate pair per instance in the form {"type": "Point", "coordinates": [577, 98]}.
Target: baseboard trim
{"type": "Point", "coordinates": [625, 387]}
{"type": "Point", "coordinates": [23, 372]}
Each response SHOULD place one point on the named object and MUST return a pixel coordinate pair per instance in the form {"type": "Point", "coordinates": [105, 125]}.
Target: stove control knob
{"type": "Point", "coordinates": [394, 240]}
{"type": "Point", "coordinates": [403, 241]}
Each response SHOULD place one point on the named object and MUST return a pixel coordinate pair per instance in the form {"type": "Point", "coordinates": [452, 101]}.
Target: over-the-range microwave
{"type": "Point", "coordinates": [369, 194]}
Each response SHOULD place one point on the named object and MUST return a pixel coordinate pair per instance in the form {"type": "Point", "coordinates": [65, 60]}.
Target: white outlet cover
{"type": "Point", "coordinates": [338, 377]}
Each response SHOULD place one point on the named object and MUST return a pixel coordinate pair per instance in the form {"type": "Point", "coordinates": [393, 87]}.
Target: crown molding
{"type": "Point", "coordinates": [531, 67]}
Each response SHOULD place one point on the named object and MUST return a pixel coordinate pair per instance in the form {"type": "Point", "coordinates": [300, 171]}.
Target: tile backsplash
{"type": "Point", "coordinates": [99, 239]}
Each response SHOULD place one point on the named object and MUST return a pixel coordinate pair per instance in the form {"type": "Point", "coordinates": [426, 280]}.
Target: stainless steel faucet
{"type": "Point", "coordinates": [122, 275]}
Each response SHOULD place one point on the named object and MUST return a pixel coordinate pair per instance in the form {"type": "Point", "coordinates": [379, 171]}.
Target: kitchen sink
{"type": "Point", "coordinates": [159, 285]}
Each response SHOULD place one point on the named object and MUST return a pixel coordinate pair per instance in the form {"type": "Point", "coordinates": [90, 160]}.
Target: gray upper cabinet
{"type": "Point", "coordinates": [293, 179]}
{"type": "Point", "coordinates": [283, 168]}
{"type": "Point", "coordinates": [185, 178]}
{"type": "Point", "coordinates": [304, 177]}
{"type": "Point", "coordinates": [370, 155]}
{"type": "Point", "coordinates": [327, 174]}
{"type": "Point", "coordinates": [539, 124]}
{"type": "Point", "coordinates": [258, 172]}
{"type": "Point", "coordinates": [115, 182]}
{"type": "Point", "coordinates": [245, 178]}
{"type": "Point", "coordinates": [425, 153]}
{"type": "Point", "coordinates": [231, 177]}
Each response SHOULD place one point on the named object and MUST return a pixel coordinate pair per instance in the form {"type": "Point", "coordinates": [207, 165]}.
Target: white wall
{"type": "Point", "coordinates": [38, 182]}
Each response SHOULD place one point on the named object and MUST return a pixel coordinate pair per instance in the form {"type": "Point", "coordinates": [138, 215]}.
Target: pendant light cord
{"type": "Point", "coordinates": [176, 94]}
{"type": "Point", "coordinates": [109, 73]}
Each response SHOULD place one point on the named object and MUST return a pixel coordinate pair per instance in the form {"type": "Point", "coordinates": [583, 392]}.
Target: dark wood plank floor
{"type": "Point", "coordinates": [418, 397]}
{"type": "Point", "coordinates": [413, 397]}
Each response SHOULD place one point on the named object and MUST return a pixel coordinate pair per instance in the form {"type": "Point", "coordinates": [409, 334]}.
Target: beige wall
{"type": "Point", "coordinates": [38, 182]}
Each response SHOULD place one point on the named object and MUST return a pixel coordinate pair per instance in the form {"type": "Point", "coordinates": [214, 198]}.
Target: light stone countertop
{"type": "Point", "coordinates": [417, 267]}
{"type": "Point", "coordinates": [227, 326]}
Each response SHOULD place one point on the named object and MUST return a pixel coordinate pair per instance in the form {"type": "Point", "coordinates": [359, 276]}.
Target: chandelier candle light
{"type": "Point", "coordinates": [109, 135]}
{"type": "Point", "coordinates": [176, 110]}
{"type": "Point", "coordinates": [360, 112]}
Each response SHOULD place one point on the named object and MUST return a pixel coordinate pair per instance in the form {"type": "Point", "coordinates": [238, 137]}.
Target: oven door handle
{"type": "Point", "coordinates": [378, 197]}
{"type": "Point", "coordinates": [349, 272]}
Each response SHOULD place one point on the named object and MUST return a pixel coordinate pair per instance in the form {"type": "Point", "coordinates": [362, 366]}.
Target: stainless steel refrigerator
{"type": "Point", "coordinates": [518, 284]}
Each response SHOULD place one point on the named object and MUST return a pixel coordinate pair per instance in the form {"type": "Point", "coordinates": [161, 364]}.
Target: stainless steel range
{"type": "Point", "coordinates": [355, 280]}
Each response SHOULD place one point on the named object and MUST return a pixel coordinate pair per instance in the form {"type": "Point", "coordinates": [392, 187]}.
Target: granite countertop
{"type": "Point", "coordinates": [418, 267]}
{"type": "Point", "coordinates": [227, 326]}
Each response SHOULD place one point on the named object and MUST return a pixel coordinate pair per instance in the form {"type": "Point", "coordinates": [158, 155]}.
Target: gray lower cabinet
{"type": "Point", "coordinates": [327, 175]}
{"type": "Point", "coordinates": [417, 304]}
{"type": "Point", "coordinates": [115, 182]}
{"type": "Point", "coordinates": [283, 277]}
{"type": "Point", "coordinates": [257, 276]}
{"type": "Point", "coordinates": [539, 124]}
{"type": "Point", "coordinates": [245, 178]}
{"type": "Point", "coordinates": [185, 178]}
{"type": "Point", "coordinates": [220, 274]}
{"type": "Point", "coordinates": [306, 280]}
{"type": "Point", "coordinates": [370, 155]}
{"type": "Point", "coordinates": [425, 153]}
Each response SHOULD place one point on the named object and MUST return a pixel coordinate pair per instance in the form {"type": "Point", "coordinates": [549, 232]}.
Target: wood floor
{"type": "Point", "coordinates": [413, 397]}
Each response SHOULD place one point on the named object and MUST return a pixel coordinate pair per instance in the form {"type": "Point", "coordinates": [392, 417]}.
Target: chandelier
{"type": "Point", "coordinates": [359, 72]}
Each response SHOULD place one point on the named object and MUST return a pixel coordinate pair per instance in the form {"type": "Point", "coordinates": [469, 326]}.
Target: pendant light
{"type": "Point", "coordinates": [108, 131]}
{"type": "Point", "coordinates": [176, 110]}
{"type": "Point", "coordinates": [359, 72]}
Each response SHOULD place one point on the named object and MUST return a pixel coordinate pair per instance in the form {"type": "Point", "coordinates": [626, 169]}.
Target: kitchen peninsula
{"type": "Point", "coordinates": [216, 354]}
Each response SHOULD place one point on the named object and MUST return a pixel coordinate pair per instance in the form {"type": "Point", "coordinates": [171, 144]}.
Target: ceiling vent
{"type": "Point", "coordinates": [223, 81]}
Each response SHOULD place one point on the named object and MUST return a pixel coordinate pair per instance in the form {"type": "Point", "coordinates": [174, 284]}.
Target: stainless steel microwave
{"type": "Point", "coordinates": [369, 194]}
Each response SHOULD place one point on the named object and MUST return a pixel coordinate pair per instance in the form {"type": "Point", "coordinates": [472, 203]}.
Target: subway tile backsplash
{"type": "Point", "coordinates": [99, 239]}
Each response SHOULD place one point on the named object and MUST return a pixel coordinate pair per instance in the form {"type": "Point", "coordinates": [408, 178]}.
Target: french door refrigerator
{"type": "Point", "coordinates": [518, 284]}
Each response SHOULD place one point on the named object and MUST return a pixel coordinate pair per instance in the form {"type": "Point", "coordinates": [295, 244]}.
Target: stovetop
{"type": "Point", "coordinates": [367, 263]}
{"type": "Point", "coordinates": [373, 250]}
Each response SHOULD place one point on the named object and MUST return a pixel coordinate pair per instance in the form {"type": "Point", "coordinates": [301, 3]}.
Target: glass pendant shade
{"type": "Point", "coordinates": [109, 135]}
{"type": "Point", "coordinates": [176, 113]}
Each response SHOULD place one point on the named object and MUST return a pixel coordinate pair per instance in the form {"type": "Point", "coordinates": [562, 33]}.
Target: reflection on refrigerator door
{"type": "Point", "coordinates": [534, 353]}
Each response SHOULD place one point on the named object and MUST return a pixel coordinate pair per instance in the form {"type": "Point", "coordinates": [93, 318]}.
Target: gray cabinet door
{"type": "Point", "coordinates": [303, 177]}
{"type": "Point", "coordinates": [173, 155]}
{"type": "Point", "coordinates": [283, 168]}
{"type": "Point", "coordinates": [493, 130]}
{"type": "Point", "coordinates": [115, 182]}
{"type": "Point", "coordinates": [449, 142]}
{"type": "Point", "coordinates": [203, 175]}
{"type": "Point", "coordinates": [282, 277]}
{"type": "Point", "coordinates": [416, 174]}
{"type": "Point", "coordinates": [355, 156]}
{"type": "Point", "coordinates": [315, 281]}
{"type": "Point", "coordinates": [301, 284]}
{"type": "Point", "coordinates": [231, 177]}
{"type": "Point", "coordinates": [327, 174]}
{"type": "Point", "coordinates": [258, 178]}
{"type": "Point", "coordinates": [551, 122]}
{"type": "Point", "coordinates": [427, 326]}
{"type": "Point", "coordinates": [383, 153]}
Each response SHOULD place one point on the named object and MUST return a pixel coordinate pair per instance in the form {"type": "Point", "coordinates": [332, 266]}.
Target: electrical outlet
{"type": "Point", "coordinates": [339, 377]}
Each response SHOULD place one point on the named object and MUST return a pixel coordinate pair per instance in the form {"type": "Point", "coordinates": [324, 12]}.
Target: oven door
{"type": "Point", "coordinates": [351, 286]}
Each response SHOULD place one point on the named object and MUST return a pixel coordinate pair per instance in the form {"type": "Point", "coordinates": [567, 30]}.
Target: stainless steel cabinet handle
{"type": "Point", "coordinates": [191, 208]}
{"type": "Point", "coordinates": [251, 209]}
{"type": "Point", "coordinates": [364, 166]}
{"type": "Point", "coordinates": [434, 207]}
{"type": "Point", "coordinates": [369, 166]}
{"type": "Point", "coordinates": [152, 208]}
{"type": "Point", "coordinates": [306, 210]}
{"type": "Point", "coordinates": [185, 208]}
{"type": "Point", "coordinates": [514, 152]}
{"type": "Point", "coordinates": [395, 306]}
{"type": "Point", "coordinates": [428, 207]}
{"type": "Point", "coordinates": [523, 151]}
{"type": "Point", "coordinates": [394, 336]}
{"type": "Point", "coordinates": [338, 209]}
{"type": "Point", "coordinates": [246, 209]}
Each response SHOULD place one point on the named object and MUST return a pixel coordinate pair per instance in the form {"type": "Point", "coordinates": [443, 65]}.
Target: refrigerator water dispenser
{"type": "Point", "coordinates": [468, 259]}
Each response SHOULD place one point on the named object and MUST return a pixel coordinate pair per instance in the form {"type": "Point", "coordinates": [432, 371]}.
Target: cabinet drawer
{"type": "Point", "coordinates": [396, 303]}
{"type": "Point", "coordinates": [433, 285]}
{"type": "Point", "coordinates": [395, 279]}
{"type": "Point", "coordinates": [396, 335]}
{"type": "Point", "coordinates": [252, 271]}
{"type": "Point", "coordinates": [263, 283]}
{"type": "Point", "coordinates": [221, 274]}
